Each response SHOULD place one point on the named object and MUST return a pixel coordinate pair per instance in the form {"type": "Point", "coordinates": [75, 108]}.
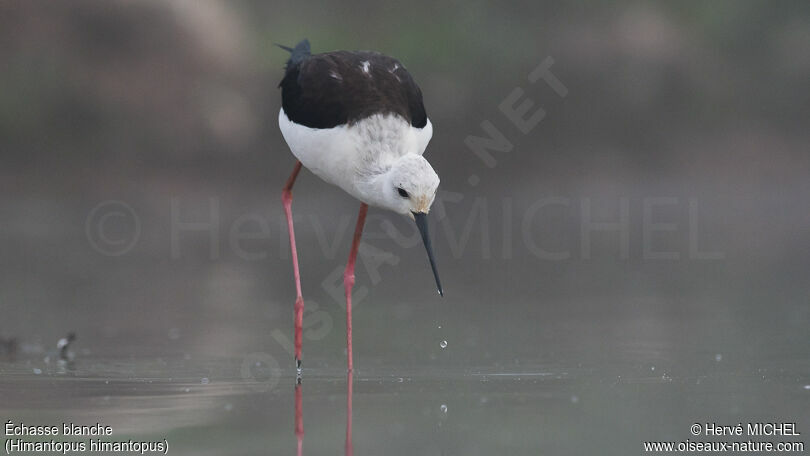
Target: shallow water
{"type": "Point", "coordinates": [585, 357]}
{"type": "Point", "coordinates": [569, 404]}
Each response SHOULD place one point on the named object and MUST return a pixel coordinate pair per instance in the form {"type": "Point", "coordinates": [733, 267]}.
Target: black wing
{"type": "Point", "coordinates": [337, 88]}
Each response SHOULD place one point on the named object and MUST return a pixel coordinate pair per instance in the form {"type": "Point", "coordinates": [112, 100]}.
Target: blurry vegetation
{"type": "Point", "coordinates": [180, 81]}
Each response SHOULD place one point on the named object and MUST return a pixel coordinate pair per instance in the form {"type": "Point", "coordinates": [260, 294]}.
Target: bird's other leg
{"type": "Point", "coordinates": [348, 279]}
{"type": "Point", "coordinates": [286, 199]}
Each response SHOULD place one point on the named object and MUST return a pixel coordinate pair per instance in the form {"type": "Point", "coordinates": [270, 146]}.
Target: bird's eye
{"type": "Point", "coordinates": [402, 193]}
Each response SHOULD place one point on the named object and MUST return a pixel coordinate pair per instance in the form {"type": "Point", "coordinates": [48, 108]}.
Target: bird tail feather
{"type": "Point", "coordinates": [297, 54]}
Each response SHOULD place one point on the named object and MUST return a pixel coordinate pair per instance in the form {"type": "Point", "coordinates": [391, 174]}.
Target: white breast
{"type": "Point", "coordinates": [342, 154]}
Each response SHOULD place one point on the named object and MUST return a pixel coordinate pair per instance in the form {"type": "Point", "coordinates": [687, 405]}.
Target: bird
{"type": "Point", "coordinates": [356, 120]}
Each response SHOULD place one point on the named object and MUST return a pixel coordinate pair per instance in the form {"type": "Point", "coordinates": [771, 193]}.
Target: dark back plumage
{"type": "Point", "coordinates": [343, 87]}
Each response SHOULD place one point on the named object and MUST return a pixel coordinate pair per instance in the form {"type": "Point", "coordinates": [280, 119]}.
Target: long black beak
{"type": "Point", "coordinates": [421, 222]}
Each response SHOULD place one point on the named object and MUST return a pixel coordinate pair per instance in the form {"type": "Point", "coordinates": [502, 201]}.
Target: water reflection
{"type": "Point", "coordinates": [349, 393]}
{"type": "Point", "coordinates": [8, 348]}
{"type": "Point", "coordinates": [637, 393]}
{"type": "Point", "coordinates": [299, 415]}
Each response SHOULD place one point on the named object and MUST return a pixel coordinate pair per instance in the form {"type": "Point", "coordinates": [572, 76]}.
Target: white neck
{"type": "Point", "coordinates": [372, 187]}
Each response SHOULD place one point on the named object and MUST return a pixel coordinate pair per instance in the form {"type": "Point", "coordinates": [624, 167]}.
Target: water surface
{"type": "Point", "coordinates": [569, 403]}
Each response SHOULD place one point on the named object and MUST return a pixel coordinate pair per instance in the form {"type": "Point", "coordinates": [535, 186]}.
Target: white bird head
{"type": "Point", "coordinates": [410, 188]}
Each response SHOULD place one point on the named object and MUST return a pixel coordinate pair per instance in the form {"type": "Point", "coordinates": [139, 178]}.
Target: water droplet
{"type": "Point", "coordinates": [440, 326]}
{"type": "Point", "coordinates": [443, 408]}
{"type": "Point", "coordinates": [443, 344]}
{"type": "Point", "coordinates": [37, 371]}
{"type": "Point", "coordinates": [228, 407]}
{"type": "Point", "coordinates": [718, 357]}
{"type": "Point", "coordinates": [204, 380]}
{"type": "Point", "coordinates": [807, 387]}
{"type": "Point", "coordinates": [652, 368]}
{"type": "Point", "coordinates": [574, 399]}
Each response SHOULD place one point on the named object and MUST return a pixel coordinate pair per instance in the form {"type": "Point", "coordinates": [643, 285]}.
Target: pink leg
{"type": "Point", "coordinates": [286, 199]}
{"type": "Point", "coordinates": [348, 279]}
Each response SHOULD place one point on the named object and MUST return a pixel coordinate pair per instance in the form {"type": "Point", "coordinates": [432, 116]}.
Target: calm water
{"type": "Point", "coordinates": [576, 357]}
{"type": "Point", "coordinates": [569, 402]}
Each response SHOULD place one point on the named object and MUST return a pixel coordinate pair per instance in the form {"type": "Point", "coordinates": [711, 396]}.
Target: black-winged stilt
{"type": "Point", "coordinates": [357, 121]}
